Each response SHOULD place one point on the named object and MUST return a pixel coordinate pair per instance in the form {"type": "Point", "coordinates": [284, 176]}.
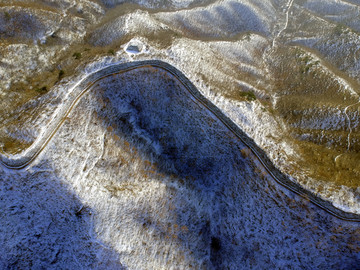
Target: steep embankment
{"type": "Point", "coordinates": [146, 171]}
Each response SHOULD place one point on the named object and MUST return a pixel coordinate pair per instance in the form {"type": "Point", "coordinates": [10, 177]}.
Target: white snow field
{"type": "Point", "coordinates": [140, 174]}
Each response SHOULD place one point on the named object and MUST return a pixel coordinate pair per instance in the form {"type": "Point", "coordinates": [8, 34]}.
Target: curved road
{"type": "Point", "coordinates": [21, 161]}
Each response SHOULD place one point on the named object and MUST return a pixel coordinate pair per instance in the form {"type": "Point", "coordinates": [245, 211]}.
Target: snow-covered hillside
{"type": "Point", "coordinates": [139, 175]}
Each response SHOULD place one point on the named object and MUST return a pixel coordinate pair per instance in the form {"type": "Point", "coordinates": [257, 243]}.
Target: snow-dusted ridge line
{"type": "Point", "coordinates": [349, 124]}
{"type": "Point", "coordinates": [21, 161]}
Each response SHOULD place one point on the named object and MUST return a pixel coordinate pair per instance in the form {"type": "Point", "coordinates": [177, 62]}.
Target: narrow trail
{"type": "Point", "coordinates": [268, 51]}
{"type": "Point", "coordinates": [288, 8]}
{"type": "Point", "coordinates": [21, 162]}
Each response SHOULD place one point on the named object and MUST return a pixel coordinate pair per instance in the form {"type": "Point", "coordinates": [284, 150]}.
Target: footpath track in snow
{"type": "Point", "coordinates": [22, 161]}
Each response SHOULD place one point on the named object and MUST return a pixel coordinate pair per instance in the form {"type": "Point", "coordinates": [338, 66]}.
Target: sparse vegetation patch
{"type": "Point", "coordinates": [248, 95]}
{"type": "Point", "coordinates": [77, 55]}
{"type": "Point", "coordinates": [7, 15]}
{"type": "Point", "coordinates": [340, 29]}
{"type": "Point", "coordinates": [61, 74]}
{"type": "Point", "coordinates": [42, 90]}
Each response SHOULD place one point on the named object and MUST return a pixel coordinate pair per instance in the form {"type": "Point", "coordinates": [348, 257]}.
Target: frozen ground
{"type": "Point", "coordinates": [286, 72]}
{"type": "Point", "coordinates": [159, 182]}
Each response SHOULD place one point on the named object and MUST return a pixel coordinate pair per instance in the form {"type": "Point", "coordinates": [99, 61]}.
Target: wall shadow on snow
{"type": "Point", "coordinates": [148, 108]}
{"type": "Point", "coordinates": [41, 226]}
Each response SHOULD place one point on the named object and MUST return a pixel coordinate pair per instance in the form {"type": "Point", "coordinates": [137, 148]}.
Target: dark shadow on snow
{"type": "Point", "coordinates": [43, 225]}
